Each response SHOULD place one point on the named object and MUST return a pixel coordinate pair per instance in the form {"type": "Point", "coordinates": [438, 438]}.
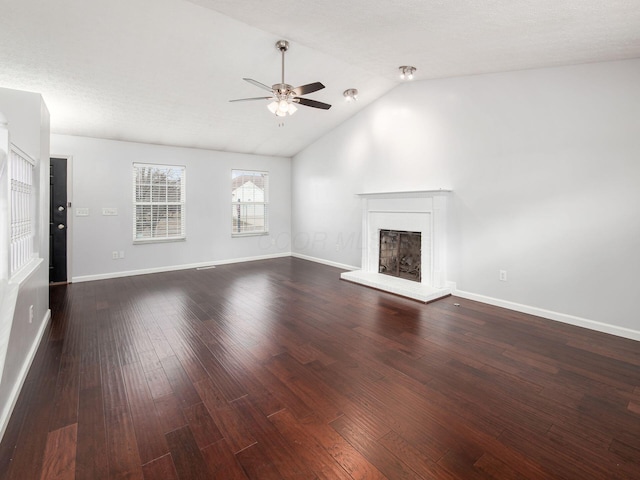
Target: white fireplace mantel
{"type": "Point", "coordinates": [421, 211]}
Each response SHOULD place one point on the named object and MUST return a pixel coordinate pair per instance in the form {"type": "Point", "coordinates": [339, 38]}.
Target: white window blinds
{"type": "Point", "coordinates": [158, 202]}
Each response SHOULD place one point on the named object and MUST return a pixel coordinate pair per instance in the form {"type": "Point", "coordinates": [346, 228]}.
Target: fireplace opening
{"type": "Point", "coordinates": [399, 254]}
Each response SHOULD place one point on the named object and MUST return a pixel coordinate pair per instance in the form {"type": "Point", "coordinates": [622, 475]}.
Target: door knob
{"type": "Point", "coordinates": [60, 226]}
{"type": "Point", "coordinates": [61, 208]}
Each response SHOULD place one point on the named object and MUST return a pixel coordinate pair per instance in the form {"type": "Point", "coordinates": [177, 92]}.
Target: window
{"type": "Point", "coordinates": [158, 202]}
{"type": "Point", "coordinates": [249, 202]}
{"type": "Point", "coordinates": [22, 215]}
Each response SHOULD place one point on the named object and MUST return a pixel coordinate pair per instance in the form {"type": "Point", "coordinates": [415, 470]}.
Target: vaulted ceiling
{"type": "Point", "coordinates": [162, 71]}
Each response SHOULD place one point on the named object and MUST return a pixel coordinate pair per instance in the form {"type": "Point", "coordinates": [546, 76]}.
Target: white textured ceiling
{"type": "Point", "coordinates": [162, 71]}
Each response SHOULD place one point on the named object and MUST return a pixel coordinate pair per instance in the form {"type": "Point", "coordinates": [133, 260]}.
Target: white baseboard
{"type": "Point", "coordinates": [551, 315]}
{"type": "Point", "coordinates": [251, 259]}
{"type": "Point", "coordinates": [17, 387]}
{"type": "Point", "coordinates": [325, 262]}
{"type": "Point", "coordinates": [172, 268]}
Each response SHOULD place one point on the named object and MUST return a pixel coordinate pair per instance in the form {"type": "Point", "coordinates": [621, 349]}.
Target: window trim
{"type": "Point", "coordinates": [182, 203]}
{"type": "Point", "coordinates": [264, 203]}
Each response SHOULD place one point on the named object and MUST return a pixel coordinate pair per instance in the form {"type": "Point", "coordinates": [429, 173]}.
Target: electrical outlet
{"type": "Point", "coordinates": [114, 255]}
{"type": "Point", "coordinates": [121, 254]}
{"type": "Point", "coordinates": [502, 275]}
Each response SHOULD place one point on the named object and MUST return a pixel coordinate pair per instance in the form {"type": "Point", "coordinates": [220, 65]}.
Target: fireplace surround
{"type": "Point", "coordinates": [421, 212]}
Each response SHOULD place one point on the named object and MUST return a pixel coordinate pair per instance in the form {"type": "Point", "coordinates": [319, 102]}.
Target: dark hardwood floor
{"type": "Point", "coordinates": [278, 370]}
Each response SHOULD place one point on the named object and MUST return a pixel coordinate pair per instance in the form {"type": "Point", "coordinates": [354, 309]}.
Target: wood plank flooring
{"type": "Point", "coordinates": [278, 370]}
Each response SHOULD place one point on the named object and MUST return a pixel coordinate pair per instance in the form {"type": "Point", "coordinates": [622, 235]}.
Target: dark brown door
{"type": "Point", "coordinates": [58, 221]}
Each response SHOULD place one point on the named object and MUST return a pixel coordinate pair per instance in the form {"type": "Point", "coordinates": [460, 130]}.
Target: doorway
{"type": "Point", "coordinates": [58, 221]}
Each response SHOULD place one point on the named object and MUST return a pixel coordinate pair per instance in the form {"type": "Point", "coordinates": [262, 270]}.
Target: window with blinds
{"type": "Point", "coordinates": [249, 202]}
{"type": "Point", "coordinates": [21, 168]}
{"type": "Point", "coordinates": [158, 202]}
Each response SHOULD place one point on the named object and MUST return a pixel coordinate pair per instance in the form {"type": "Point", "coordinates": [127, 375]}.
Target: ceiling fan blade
{"type": "Point", "coordinates": [258, 84]}
{"type": "Point", "coordinates": [312, 103]}
{"type": "Point", "coordinates": [249, 99]}
{"type": "Point", "coordinates": [308, 88]}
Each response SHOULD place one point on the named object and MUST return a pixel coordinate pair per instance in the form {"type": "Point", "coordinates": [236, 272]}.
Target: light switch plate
{"type": "Point", "coordinates": [109, 211]}
{"type": "Point", "coordinates": [82, 212]}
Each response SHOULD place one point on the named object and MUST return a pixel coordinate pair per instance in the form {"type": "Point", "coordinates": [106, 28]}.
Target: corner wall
{"type": "Point", "coordinates": [28, 124]}
{"type": "Point", "coordinates": [102, 178]}
{"type": "Point", "coordinates": [544, 170]}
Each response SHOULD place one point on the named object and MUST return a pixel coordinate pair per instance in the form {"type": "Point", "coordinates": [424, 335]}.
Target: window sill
{"type": "Point", "coordinates": [159, 240]}
{"type": "Point", "coordinates": [249, 234]}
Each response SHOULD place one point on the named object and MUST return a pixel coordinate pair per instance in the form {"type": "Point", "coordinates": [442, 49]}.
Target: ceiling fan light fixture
{"type": "Point", "coordinates": [273, 107]}
{"type": "Point", "coordinates": [350, 94]}
{"type": "Point", "coordinates": [282, 107]}
{"type": "Point", "coordinates": [406, 72]}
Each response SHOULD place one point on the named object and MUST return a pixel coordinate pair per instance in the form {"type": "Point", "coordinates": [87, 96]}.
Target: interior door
{"type": "Point", "coordinates": [58, 221]}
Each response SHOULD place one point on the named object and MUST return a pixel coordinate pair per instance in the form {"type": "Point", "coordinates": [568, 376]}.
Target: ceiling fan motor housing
{"type": "Point", "coordinates": [282, 89]}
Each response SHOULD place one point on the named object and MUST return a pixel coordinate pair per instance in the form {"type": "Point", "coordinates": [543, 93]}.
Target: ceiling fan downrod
{"type": "Point", "coordinates": [283, 46]}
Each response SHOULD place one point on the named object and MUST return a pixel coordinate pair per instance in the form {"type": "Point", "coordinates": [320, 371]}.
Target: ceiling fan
{"type": "Point", "coordinates": [284, 96]}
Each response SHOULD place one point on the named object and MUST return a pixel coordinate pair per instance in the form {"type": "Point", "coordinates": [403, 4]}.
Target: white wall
{"type": "Point", "coordinates": [545, 171]}
{"type": "Point", "coordinates": [102, 177]}
{"type": "Point", "coordinates": [28, 120]}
